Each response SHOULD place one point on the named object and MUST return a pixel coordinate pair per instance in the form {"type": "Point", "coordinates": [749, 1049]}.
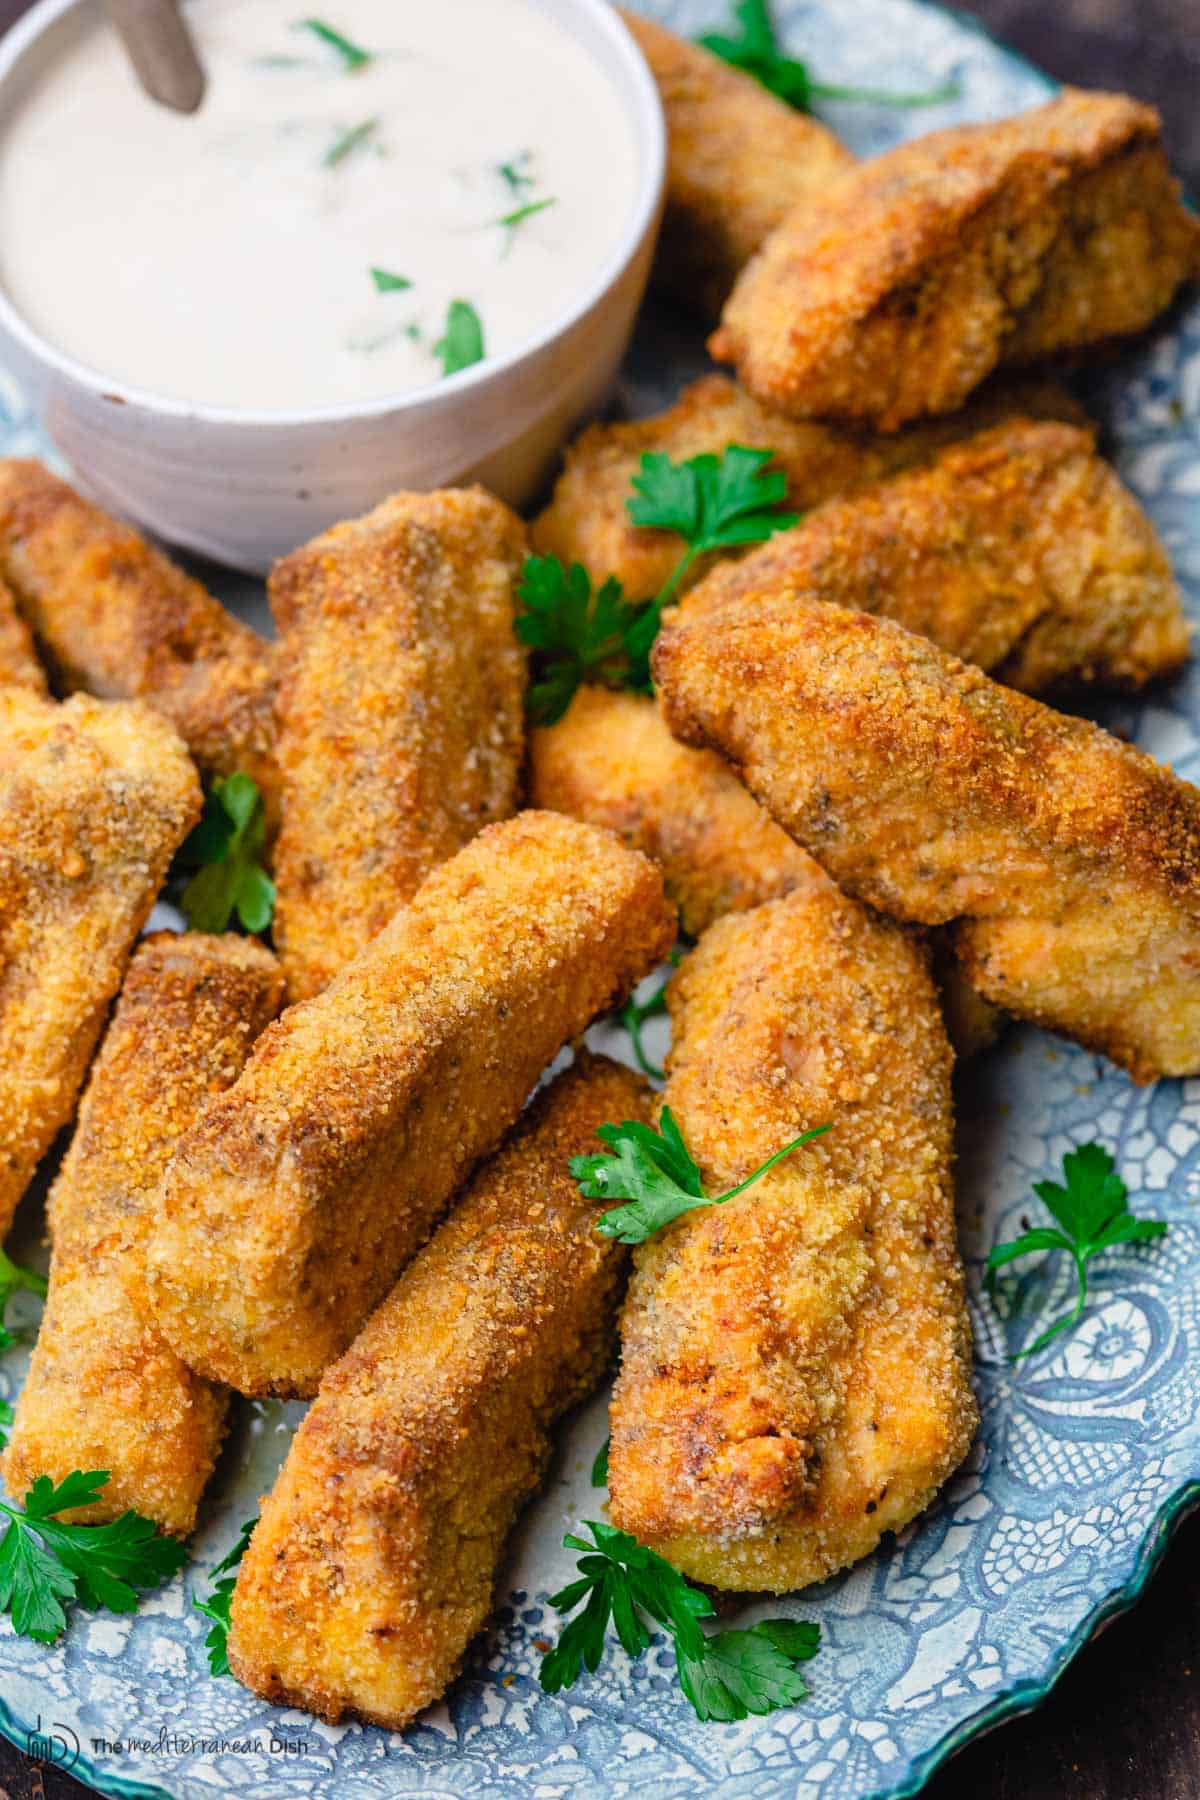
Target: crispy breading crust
{"type": "Point", "coordinates": [19, 666]}
{"type": "Point", "coordinates": [94, 800]}
{"type": "Point", "coordinates": [401, 713]}
{"type": "Point", "coordinates": [586, 520]}
{"type": "Point", "coordinates": [103, 1390]}
{"type": "Point", "coordinates": [738, 160]}
{"type": "Point", "coordinates": [795, 1365]}
{"type": "Point", "coordinates": [1018, 550]}
{"type": "Point", "coordinates": [611, 761]}
{"type": "Point", "coordinates": [920, 270]}
{"type": "Point", "coordinates": [292, 1205]}
{"type": "Point", "coordinates": [374, 1562]}
{"type": "Point", "coordinates": [1070, 861]}
{"type": "Point", "coordinates": [115, 618]}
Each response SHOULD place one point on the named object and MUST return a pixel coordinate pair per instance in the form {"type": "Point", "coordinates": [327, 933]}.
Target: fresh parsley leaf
{"type": "Point", "coordinates": [752, 45]}
{"type": "Point", "coordinates": [654, 1172]}
{"type": "Point", "coordinates": [520, 213]}
{"type": "Point", "coordinates": [713, 503]}
{"type": "Point", "coordinates": [513, 174]}
{"type": "Point", "coordinates": [44, 1562]}
{"type": "Point", "coordinates": [600, 1466]}
{"type": "Point", "coordinates": [576, 635]}
{"type": "Point", "coordinates": [6, 1419]}
{"type": "Point", "coordinates": [462, 341]}
{"type": "Point", "coordinates": [352, 55]}
{"type": "Point", "coordinates": [725, 1676]}
{"type": "Point", "coordinates": [216, 1606]}
{"type": "Point", "coordinates": [225, 849]}
{"type": "Point", "coordinates": [13, 1279]}
{"type": "Point", "coordinates": [1092, 1213]}
{"type": "Point", "coordinates": [347, 141]}
{"type": "Point", "coordinates": [387, 283]}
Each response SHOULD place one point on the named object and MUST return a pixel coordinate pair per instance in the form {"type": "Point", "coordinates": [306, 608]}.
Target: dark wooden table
{"type": "Point", "coordinates": [1124, 1723]}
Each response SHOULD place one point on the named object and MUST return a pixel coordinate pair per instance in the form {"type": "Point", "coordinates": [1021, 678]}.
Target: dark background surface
{"type": "Point", "coordinates": [1124, 1723]}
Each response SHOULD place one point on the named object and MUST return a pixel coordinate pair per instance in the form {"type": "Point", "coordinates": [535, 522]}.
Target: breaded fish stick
{"type": "Point", "coordinates": [115, 618]}
{"type": "Point", "coordinates": [292, 1205]}
{"type": "Point", "coordinates": [19, 666]}
{"type": "Point", "coordinates": [1068, 861]}
{"type": "Point", "coordinates": [586, 520]}
{"type": "Point", "coordinates": [401, 713]}
{"type": "Point", "coordinates": [795, 1363]}
{"type": "Point", "coordinates": [919, 271]}
{"type": "Point", "coordinates": [94, 800]}
{"type": "Point", "coordinates": [374, 1562]}
{"type": "Point", "coordinates": [103, 1390]}
{"type": "Point", "coordinates": [1018, 550]}
{"type": "Point", "coordinates": [738, 160]}
{"type": "Point", "coordinates": [612, 761]}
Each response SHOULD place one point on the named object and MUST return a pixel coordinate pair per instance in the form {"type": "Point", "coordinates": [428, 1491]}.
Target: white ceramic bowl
{"type": "Point", "coordinates": [246, 486]}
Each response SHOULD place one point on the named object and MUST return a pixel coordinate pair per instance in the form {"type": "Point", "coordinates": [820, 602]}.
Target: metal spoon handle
{"type": "Point", "coordinates": [161, 50]}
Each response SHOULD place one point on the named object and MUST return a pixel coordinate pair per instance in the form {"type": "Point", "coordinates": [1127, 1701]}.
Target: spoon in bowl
{"type": "Point", "coordinates": [160, 47]}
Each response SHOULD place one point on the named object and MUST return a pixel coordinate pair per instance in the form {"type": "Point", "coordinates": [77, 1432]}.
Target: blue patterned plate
{"type": "Point", "coordinates": [1088, 1453]}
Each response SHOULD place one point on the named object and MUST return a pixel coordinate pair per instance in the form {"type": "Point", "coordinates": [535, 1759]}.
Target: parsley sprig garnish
{"type": "Point", "coordinates": [353, 56]}
{"type": "Point", "coordinates": [753, 46]}
{"type": "Point", "coordinates": [713, 503]}
{"type": "Point", "coordinates": [654, 1172]}
{"type": "Point", "coordinates": [44, 1563]}
{"type": "Point", "coordinates": [349, 139]}
{"type": "Point", "coordinates": [386, 282]}
{"type": "Point", "coordinates": [461, 343]}
{"type": "Point", "coordinates": [218, 1603]}
{"type": "Point", "coordinates": [725, 1676]}
{"type": "Point", "coordinates": [225, 849]}
{"type": "Point", "coordinates": [577, 634]}
{"type": "Point", "coordinates": [1092, 1213]}
{"type": "Point", "coordinates": [13, 1280]}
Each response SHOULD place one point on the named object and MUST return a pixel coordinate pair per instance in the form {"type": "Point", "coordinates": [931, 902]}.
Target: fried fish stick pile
{"type": "Point", "coordinates": [611, 761]}
{"type": "Point", "coordinates": [921, 270]}
{"type": "Point", "coordinates": [1068, 861]}
{"type": "Point", "coordinates": [738, 161]}
{"type": "Point", "coordinates": [795, 1362]}
{"type": "Point", "coordinates": [117, 619]}
{"type": "Point", "coordinates": [19, 666]}
{"type": "Point", "coordinates": [94, 800]}
{"type": "Point", "coordinates": [586, 520]}
{"type": "Point", "coordinates": [294, 1202]}
{"type": "Point", "coordinates": [1018, 550]}
{"type": "Point", "coordinates": [400, 712]}
{"type": "Point", "coordinates": [374, 1562]}
{"type": "Point", "coordinates": [103, 1390]}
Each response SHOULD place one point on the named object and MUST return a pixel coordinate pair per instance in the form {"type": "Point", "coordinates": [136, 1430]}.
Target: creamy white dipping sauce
{"type": "Point", "coordinates": [250, 255]}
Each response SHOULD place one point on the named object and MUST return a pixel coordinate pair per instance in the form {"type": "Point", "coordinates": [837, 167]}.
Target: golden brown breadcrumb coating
{"type": "Point", "coordinates": [103, 1390]}
{"type": "Point", "coordinates": [738, 161]}
{"type": "Point", "coordinates": [1018, 550]}
{"type": "Point", "coordinates": [795, 1363]}
{"type": "Point", "coordinates": [919, 271]}
{"type": "Point", "coordinates": [401, 713]}
{"type": "Point", "coordinates": [115, 618]}
{"type": "Point", "coordinates": [612, 761]}
{"type": "Point", "coordinates": [586, 520]}
{"type": "Point", "coordinates": [292, 1205]}
{"type": "Point", "coordinates": [374, 1562]}
{"type": "Point", "coordinates": [19, 666]}
{"type": "Point", "coordinates": [94, 800]}
{"type": "Point", "coordinates": [1069, 861]}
